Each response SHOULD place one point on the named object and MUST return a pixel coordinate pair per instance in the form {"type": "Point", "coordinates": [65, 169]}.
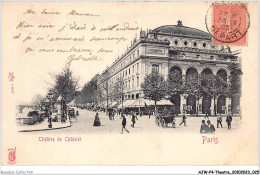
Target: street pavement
{"type": "Point", "coordinates": [85, 120]}
{"type": "Point", "coordinates": [41, 126]}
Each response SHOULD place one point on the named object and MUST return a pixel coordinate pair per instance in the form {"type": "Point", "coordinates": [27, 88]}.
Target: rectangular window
{"type": "Point", "coordinates": [137, 67]}
{"type": "Point", "coordinates": [155, 68]}
{"type": "Point", "coordinates": [133, 68]}
{"type": "Point", "coordinates": [129, 83]}
{"type": "Point", "coordinates": [137, 81]}
{"type": "Point", "coordinates": [133, 84]}
{"type": "Point", "coordinates": [129, 71]}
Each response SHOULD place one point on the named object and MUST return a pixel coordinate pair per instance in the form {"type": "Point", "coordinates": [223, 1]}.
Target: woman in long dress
{"type": "Point", "coordinates": [97, 120]}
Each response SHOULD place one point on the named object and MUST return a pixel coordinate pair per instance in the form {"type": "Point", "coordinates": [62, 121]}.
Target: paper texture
{"type": "Point", "coordinates": [41, 38]}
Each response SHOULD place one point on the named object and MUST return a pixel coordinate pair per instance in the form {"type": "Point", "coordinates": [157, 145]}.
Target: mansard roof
{"type": "Point", "coordinates": [180, 30]}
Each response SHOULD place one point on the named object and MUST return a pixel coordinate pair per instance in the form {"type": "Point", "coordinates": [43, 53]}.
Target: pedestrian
{"type": "Point", "coordinates": [173, 121]}
{"type": "Point", "coordinates": [123, 124]}
{"type": "Point", "coordinates": [219, 120]}
{"type": "Point", "coordinates": [165, 112]}
{"type": "Point", "coordinates": [113, 115]}
{"type": "Point", "coordinates": [133, 119]}
{"type": "Point", "coordinates": [229, 120]}
{"type": "Point", "coordinates": [210, 127]}
{"type": "Point", "coordinates": [97, 120]}
{"type": "Point", "coordinates": [149, 114]}
{"type": "Point", "coordinates": [183, 120]}
{"type": "Point", "coordinates": [206, 115]}
{"type": "Point", "coordinates": [203, 127]}
{"type": "Point", "coordinates": [110, 115]}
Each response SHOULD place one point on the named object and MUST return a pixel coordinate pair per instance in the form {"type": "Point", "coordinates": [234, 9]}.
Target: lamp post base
{"type": "Point", "coordinates": [50, 125]}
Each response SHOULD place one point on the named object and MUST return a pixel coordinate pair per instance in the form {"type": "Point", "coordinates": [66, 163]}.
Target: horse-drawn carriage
{"type": "Point", "coordinates": [163, 120]}
{"type": "Point", "coordinates": [71, 113]}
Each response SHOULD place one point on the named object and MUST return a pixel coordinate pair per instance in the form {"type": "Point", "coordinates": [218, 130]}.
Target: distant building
{"type": "Point", "coordinates": [167, 49]}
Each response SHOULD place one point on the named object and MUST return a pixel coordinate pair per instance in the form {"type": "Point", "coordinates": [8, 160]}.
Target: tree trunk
{"type": "Point", "coordinates": [155, 107]}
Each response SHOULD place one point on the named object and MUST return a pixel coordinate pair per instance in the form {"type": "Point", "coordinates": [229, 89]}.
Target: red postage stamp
{"type": "Point", "coordinates": [230, 23]}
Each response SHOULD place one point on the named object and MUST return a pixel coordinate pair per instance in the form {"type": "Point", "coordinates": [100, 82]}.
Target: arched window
{"type": "Point", "coordinates": [204, 45]}
{"type": "Point", "coordinates": [195, 44]}
{"type": "Point", "coordinates": [185, 43]}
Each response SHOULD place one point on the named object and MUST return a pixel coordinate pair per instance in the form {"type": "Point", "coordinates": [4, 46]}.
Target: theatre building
{"type": "Point", "coordinates": [167, 49]}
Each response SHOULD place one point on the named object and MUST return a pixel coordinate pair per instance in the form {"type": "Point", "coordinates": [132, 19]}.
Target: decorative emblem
{"type": "Point", "coordinates": [12, 156]}
{"type": "Point", "coordinates": [11, 76]}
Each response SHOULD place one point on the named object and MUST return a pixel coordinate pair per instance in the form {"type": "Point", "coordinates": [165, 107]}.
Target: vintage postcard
{"type": "Point", "coordinates": [129, 83]}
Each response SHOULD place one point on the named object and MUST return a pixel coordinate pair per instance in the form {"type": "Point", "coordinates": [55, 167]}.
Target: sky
{"type": "Point", "coordinates": [32, 69]}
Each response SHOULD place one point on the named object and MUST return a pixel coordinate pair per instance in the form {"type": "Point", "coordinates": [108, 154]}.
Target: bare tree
{"type": "Point", "coordinates": [64, 84]}
{"type": "Point", "coordinates": [37, 101]}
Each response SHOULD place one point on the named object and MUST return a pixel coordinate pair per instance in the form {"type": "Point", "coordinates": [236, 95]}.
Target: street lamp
{"type": "Point", "coordinates": [49, 97]}
{"type": "Point", "coordinates": [139, 95]}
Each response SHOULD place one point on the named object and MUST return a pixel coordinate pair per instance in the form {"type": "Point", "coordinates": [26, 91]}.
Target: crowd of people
{"type": "Point", "coordinates": [206, 125]}
{"type": "Point", "coordinates": [210, 128]}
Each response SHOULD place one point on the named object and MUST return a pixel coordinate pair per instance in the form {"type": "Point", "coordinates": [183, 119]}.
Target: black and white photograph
{"type": "Point", "coordinates": [129, 83]}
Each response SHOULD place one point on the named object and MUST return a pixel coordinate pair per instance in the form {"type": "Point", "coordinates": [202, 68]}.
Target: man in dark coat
{"type": "Point", "coordinates": [183, 120]}
{"type": "Point", "coordinates": [229, 120]}
{"type": "Point", "coordinates": [133, 119]}
{"type": "Point", "coordinates": [203, 127]}
{"type": "Point", "coordinates": [211, 127]}
{"type": "Point", "coordinates": [123, 124]}
{"type": "Point", "coordinates": [219, 120]}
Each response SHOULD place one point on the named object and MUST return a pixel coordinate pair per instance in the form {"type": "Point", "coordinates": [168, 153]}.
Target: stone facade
{"type": "Point", "coordinates": [167, 48]}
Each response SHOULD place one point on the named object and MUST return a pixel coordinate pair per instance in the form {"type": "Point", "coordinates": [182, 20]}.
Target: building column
{"type": "Point", "coordinates": [212, 107]}
{"type": "Point", "coordinates": [183, 79]}
{"type": "Point", "coordinates": [228, 105]}
{"type": "Point", "coordinates": [182, 102]}
{"type": "Point", "coordinates": [200, 106]}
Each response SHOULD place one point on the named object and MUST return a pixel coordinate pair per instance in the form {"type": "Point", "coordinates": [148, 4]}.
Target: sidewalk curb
{"type": "Point", "coordinates": [45, 129]}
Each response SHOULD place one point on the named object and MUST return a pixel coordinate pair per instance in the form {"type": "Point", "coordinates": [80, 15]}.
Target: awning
{"type": "Point", "coordinates": [165, 102]}
{"type": "Point", "coordinates": [162, 102]}
{"type": "Point", "coordinates": [102, 105]}
{"type": "Point", "coordinates": [71, 103]}
{"type": "Point", "coordinates": [126, 104]}
{"type": "Point", "coordinates": [113, 105]}
{"type": "Point", "coordinates": [141, 102]}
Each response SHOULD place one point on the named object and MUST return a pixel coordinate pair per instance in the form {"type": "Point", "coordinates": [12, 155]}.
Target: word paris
{"type": "Point", "coordinates": [209, 140]}
{"type": "Point", "coordinates": [59, 139]}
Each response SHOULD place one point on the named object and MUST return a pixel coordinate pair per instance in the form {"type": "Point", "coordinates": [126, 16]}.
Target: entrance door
{"type": "Point", "coordinates": [176, 100]}
{"type": "Point", "coordinates": [191, 101]}
{"type": "Point", "coordinates": [206, 104]}
{"type": "Point", "coordinates": [220, 103]}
